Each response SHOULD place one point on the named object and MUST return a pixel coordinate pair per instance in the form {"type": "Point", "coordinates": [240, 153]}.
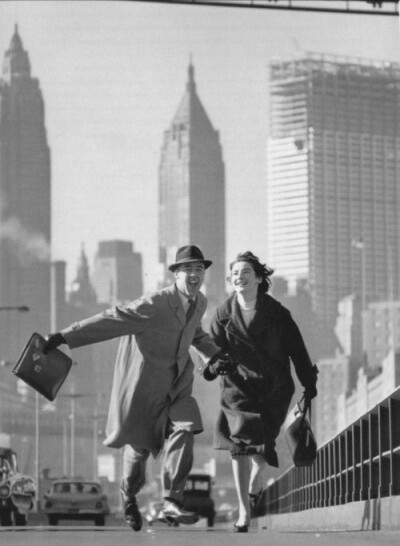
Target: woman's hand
{"type": "Point", "coordinates": [310, 392]}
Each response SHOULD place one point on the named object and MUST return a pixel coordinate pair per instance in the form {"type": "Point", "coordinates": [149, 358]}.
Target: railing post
{"type": "Point", "coordinates": [320, 500]}
{"type": "Point", "coordinates": [349, 464]}
{"type": "Point", "coordinates": [356, 447]}
{"type": "Point", "coordinates": [364, 468]}
{"type": "Point", "coordinates": [391, 437]}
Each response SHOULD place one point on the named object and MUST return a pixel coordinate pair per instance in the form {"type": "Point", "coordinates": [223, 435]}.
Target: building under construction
{"type": "Point", "coordinates": [333, 179]}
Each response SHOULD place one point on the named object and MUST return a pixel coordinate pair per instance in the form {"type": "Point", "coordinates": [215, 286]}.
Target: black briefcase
{"type": "Point", "coordinates": [43, 372]}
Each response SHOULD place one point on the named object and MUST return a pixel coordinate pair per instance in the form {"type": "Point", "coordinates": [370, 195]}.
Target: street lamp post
{"type": "Point", "coordinates": [96, 418]}
{"type": "Point", "coordinates": [73, 395]}
{"type": "Point", "coordinates": [65, 447]}
{"type": "Point", "coordinates": [37, 450]}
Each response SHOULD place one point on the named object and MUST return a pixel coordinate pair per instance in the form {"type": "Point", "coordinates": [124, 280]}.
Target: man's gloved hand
{"type": "Point", "coordinates": [221, 364]}
{"type": "Point", "coordinates": [53, 341]}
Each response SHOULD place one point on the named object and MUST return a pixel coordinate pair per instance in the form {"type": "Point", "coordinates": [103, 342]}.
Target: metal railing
{"type": "Point", "coordinates": [361, 463]}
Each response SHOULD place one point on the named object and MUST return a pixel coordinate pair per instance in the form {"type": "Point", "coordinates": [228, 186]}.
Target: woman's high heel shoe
{"type": "Point", "coordinates": [240, 528]}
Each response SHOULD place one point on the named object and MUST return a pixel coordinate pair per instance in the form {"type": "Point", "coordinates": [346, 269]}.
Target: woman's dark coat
{"type": "Point", "coordinates": [256, 397]}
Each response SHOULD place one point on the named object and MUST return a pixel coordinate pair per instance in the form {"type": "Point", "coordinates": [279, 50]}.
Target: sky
{"type": "Point", "coordinates": [113, 73]}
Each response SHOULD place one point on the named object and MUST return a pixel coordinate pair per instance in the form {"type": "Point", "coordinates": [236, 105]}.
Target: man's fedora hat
{"type": "Point", "coordinates": [187, 254]}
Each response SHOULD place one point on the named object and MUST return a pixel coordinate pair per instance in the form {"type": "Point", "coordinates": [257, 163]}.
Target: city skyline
{"type": "Point", "coordinates": [112, 73]}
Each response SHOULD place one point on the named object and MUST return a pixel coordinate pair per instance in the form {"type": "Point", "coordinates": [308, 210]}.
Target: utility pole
{"type": "Point", "coordinates": [73, 396]}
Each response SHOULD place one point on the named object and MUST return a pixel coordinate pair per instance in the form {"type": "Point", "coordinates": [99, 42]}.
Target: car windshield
{"type": "Point", "coordinates": [197, 485]}
{"type": "Point", "coordinates": [76, 487]}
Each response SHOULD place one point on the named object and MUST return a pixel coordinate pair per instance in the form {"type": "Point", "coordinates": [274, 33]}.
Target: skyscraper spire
{"type": "Point", "coordinates": [16, 60]}
{"type": "Point", "coordinates": [82, 292]}
{"type": "Point", "coordinates": [191, 85]}
{"type": "Point", "coordinates": [192, 187]}
{"type": "Point", "coordinates": [16, 42]}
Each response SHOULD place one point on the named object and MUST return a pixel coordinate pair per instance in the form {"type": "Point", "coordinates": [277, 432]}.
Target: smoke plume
{"type": "Point", "coordinates": [27, 246]}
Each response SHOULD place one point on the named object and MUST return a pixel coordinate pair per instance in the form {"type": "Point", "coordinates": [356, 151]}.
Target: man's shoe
{"type": "Point", "coordinates": [172, 512]}
{"type": "Point", "coordinates": [132, 515]}
{"type": "Point", "coordinates": [240, 528]}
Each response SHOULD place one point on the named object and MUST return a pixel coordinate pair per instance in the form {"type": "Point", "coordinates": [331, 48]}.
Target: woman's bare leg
{"type": "Point", "coordinates": [241, 475]}
{"type": "Point", "coordinates": [257, 474]}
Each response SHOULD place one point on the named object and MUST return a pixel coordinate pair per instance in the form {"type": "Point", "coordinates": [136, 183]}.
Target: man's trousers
{"type": "Point", "coordinates": [177, 464]}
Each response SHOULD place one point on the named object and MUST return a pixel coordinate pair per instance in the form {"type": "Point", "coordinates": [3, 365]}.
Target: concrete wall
{"type": "Point", "coordinates": [376, 514]}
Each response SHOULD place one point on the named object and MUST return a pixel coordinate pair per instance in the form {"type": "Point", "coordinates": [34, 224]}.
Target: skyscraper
{"type": "Point", "coordinates": [117, 275]}
{"type": "Point", "coordinates": [192, 190]}
{"type": "Point", "coordinates": [333, 172]}
{"type": "Point", "coordinates": [82, 294]}
{"type": "Point", "coordinates": [24, 203]}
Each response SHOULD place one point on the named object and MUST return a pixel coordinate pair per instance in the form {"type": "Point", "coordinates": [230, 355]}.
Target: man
{"type": "Point", "coordinates": [151, 395]}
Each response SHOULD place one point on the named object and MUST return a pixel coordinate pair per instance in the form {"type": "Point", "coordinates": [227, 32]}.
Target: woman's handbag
{"type": "Point", "coordinates": [299, 436]}
{"type": "Point", "coordinates": [43, 372]}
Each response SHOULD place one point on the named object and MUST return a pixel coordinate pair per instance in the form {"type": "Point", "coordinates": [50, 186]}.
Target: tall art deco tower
{"type": "Point", "coordinates": [24, 204]}
{"type": "Point", "coordinates": [192, 190]}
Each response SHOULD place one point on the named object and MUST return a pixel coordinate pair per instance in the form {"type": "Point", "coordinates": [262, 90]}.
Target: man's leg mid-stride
{"type": "Point", "coordinates": [134, 477]}
{"type": "Point", "coordinates": [177, 464]}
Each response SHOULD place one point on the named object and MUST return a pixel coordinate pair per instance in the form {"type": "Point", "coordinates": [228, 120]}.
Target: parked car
{"type": "Point", "coordinates": [226, 504]}
{"type": "Point", "coordinates": [225, 512]}
{"type": "Point", "coordinates": [197, 496]}
{"type": "Point", "coordinates": [76, 499]}
{"type": "Point", "coordinates": [17, 491]}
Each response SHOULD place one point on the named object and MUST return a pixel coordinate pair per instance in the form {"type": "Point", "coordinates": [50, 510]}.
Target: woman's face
{"type": "Point", "coordinates": [244, 279]}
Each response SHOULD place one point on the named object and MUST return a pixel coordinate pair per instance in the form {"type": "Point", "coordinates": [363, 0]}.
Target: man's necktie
{"type": "Point", "coordinates": [190, 309]}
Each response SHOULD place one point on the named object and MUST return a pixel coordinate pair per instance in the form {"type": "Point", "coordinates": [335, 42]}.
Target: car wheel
{"type": "Point", "coordinates": [5, 517]}
{"type": "Point", "coordinates": [100, 521]}
{"type": "Point", "coordinates": [53, 520]}
{"type": "Point", "coordinates": [19, 519]}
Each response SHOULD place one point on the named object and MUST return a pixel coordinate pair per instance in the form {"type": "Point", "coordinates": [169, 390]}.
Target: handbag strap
{"type": "Point", "coordinates": [306, 406]}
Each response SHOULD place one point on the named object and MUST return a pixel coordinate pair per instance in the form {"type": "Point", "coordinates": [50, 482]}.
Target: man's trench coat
{"type": "Point", "coordinates": [153, 374]}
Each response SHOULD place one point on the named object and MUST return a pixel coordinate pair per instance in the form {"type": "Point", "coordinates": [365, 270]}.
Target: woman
{"type": "Point", "coordinates": [260, 337]}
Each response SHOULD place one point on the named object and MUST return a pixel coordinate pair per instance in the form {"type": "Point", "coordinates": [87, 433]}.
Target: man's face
{"type": "Point", "coordinates": [189, 278]}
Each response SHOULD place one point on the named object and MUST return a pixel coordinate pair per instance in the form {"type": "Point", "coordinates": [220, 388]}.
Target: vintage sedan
{"type": "Point", "coordinates": [75, 499]}
{"type": "Point", "coordinates": [197, 496]}
{"type": "Point", "coordinates": [17, 491]}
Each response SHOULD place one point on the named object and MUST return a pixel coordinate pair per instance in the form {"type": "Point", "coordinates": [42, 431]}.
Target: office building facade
{"type": "Point", "coordinates": [117, 273]}
{"type": "Point", "coordinates": [333, 171]}
{"type": "Point", "coordinates": [381, 331]}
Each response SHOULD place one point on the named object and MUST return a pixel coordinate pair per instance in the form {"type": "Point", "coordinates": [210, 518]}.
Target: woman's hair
{"type": "Point", "coordinates": [261, 270]}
